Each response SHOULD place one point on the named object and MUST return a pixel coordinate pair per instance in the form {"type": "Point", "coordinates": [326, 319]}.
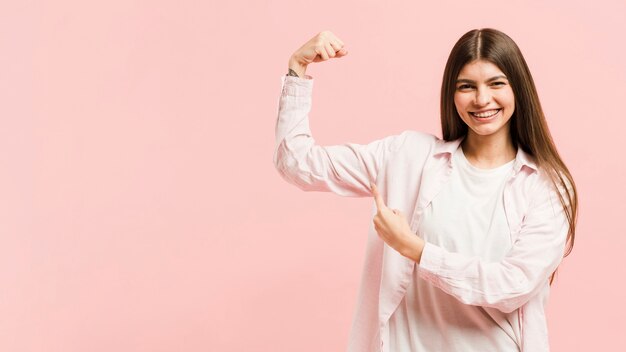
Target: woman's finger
{"type": "Point", "coordinates": [380, 204]}
{"type": "Point", "coordinates": [339, 49]}
{"type": "Point", "coordinates": [321, 50]}
{"type": "Point", "coordinates": [330, 50]}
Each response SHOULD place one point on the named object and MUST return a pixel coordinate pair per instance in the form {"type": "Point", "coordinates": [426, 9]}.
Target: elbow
{"type": "Point", "coordinates": [290, 171]}
{"type": "Point", "coordinates": [283, 163]}
{"type": "Point", "coordinates": [513, 300]}
{"type": "Point", "coordinates": [517, 286]}
{"type": "Point", "coordinates": [278, 159]}
{"type": "Point", "coordinates": [505, 298]}
{"type": "Point", "coordinates": [505, 304]}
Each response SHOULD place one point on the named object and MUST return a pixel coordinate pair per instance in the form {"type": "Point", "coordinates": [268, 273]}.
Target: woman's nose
{"type": "Point", "coordinates": [482, 97]}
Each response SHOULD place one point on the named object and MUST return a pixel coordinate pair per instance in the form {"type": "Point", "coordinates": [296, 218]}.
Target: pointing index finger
{"type": "Point", "coordinates": [379, 200]}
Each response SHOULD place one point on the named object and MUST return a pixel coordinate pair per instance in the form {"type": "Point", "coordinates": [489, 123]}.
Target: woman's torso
{"type": "Point", "coordinates": [467, 217]}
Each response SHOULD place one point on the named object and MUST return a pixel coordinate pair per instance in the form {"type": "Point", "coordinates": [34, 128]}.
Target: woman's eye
{"type": "Point", "coordinates": [499, 83]}
{"type": "Point", "coordinates": [464, 86]}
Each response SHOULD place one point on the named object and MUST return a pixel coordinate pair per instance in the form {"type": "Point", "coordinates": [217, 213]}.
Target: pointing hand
{"type": "Point", "coordinates": [391, 225]}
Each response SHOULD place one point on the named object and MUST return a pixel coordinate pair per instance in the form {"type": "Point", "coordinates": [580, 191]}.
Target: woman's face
{"type": "Point", "coordinates": [484, 99]}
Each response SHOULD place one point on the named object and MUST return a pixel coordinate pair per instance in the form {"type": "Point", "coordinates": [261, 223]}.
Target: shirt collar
{"type": "Point", "coordinates": [521, 158]}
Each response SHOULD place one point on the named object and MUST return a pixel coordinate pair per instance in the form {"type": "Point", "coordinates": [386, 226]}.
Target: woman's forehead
{"type": "Point", "coordinates": [480, 69]}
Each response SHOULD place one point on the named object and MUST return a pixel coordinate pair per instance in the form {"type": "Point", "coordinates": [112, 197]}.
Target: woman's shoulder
{"type": "Point", "coordinates": [547, 180]}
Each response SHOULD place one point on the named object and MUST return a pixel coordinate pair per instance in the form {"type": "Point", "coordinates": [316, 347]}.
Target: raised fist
{"type": "Point", "coordinates": [321, 47]}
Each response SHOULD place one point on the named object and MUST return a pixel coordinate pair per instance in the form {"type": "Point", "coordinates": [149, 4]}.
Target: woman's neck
{"type": "Point", "coordinates": [488, 152]}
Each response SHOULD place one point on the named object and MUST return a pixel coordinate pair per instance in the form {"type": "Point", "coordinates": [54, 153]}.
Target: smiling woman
{"type": "Point", "coordinates": [469, 229]}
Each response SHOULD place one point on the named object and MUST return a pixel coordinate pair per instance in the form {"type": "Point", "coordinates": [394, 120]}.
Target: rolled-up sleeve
{"type": "Point", "coordinates": [509, 283]}
{"type": "Point", "coordinates": [346, 169]}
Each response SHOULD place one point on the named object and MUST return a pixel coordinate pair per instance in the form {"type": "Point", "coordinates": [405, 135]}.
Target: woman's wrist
{"type": "Point", "coordinates": [414, 248]}
{"type": "Point", "coordinates": [292, 73]}
{"type": "Point", "coordinates": [295, 67]}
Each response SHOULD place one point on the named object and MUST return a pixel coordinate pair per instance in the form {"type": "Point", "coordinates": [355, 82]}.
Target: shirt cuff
{"type": "Point", "coordinates": [297, 86]}
{"type": "Point", "coordinates": [431, 260]}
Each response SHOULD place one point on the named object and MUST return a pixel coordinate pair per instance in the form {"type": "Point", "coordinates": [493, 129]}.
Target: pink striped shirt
{"type": "Point", "coordinates": [409, 170]}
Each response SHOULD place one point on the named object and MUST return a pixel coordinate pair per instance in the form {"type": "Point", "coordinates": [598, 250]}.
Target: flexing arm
{"type": "Point", "coordinates": [345, 169]}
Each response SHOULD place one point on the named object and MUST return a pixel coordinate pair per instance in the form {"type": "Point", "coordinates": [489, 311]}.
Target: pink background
{"type": "Point", "coordinates": [139, 206]}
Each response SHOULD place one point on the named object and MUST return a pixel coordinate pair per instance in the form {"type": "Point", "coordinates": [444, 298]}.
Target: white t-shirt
{"type": "Point", "coordinates": [428, 319]}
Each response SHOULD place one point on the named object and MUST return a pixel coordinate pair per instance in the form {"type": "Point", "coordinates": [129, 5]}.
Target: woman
{"type": "Point", "coordinates": [468, 230]}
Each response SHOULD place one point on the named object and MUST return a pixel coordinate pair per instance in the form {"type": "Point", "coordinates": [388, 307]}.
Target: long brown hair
{"type": "Point", "coordinates": [528, 127]}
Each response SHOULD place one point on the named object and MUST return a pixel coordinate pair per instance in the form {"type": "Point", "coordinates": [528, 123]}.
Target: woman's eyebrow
{"type": "Point", "coordinates": [465, 80]}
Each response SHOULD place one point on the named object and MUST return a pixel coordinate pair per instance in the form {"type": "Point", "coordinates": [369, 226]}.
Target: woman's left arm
{"type": "Point", "coordinates": [511, 282]}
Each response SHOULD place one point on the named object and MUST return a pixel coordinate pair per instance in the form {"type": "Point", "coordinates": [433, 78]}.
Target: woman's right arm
{"type": "Point", "coordinates": [345, 169]}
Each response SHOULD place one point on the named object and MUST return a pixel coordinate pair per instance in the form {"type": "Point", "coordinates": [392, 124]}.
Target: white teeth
{"type": "Point", "coordinates": [486, 113]}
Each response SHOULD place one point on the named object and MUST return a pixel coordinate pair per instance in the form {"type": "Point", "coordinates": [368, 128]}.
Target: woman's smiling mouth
{"type": "Point", "coordinates": [485, 115]}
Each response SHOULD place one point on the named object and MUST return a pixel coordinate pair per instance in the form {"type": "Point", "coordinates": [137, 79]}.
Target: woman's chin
{"type": "Point", "coordinates": [486, 131]}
